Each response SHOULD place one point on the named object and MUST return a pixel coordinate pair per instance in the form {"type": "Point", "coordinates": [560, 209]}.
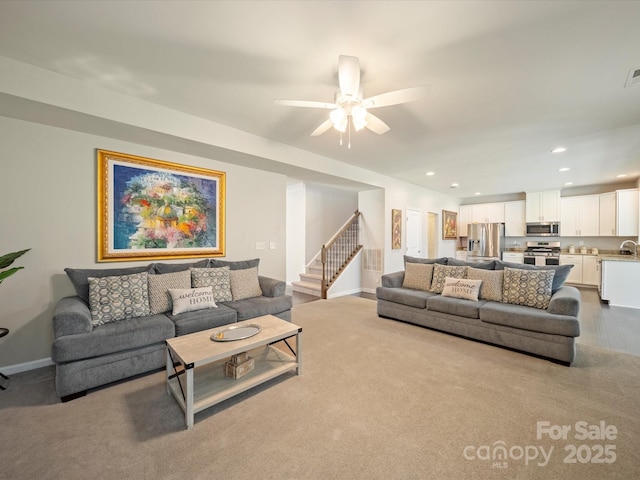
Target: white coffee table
{"type": "Point", "coordinates": [195, 363]}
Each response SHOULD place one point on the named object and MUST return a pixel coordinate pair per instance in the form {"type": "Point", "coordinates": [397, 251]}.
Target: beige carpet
{"type": "Point", "coordinates": [378, 399]}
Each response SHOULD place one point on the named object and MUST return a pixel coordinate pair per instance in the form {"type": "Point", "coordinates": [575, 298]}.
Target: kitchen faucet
{"type": "Point", "coordinates": [635, 251]}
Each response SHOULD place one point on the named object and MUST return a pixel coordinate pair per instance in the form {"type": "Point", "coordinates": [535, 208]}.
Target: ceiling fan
{"type": "Point", "coordinates": [350, 108]}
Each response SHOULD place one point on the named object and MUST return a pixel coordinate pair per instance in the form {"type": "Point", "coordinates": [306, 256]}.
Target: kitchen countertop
{"type": "Point", "coordinates": [612, 257]}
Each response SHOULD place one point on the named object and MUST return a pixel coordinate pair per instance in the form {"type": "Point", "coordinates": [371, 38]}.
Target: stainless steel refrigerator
{"type": "Point", "coordinates": [485, 241]}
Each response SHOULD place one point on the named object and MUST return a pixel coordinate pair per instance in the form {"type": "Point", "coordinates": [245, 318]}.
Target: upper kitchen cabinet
{"type": "Point", "coordinates": [514, 219]}
{"type": "Point", "coordinates": [579, 216]}
{"type": "Point", "coordinates": [607, 204]}
{"type": "Point", "coordinates": [465, 217]}
{"type": "Point", "coordinates": [543, 206]}
{"type": "Point", "coordinates": [488, 212]}
{"type": "Point", "coordinates": [627, 209]}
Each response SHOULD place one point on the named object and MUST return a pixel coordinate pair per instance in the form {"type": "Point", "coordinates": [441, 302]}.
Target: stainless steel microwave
{"type": "Point", "coordinates": [543, 229]}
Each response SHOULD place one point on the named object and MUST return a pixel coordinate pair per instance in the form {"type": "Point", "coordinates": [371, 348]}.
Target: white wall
{"type": "Point", "coordinates": [48, 204]}
{"type": "Point", "coordinates": [296, 226]}
{"type": "Point", "coordinates": [372, 235]}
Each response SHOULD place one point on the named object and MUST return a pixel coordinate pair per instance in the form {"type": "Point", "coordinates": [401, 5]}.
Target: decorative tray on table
{"type": "Point", "coordinates": [235, 332]}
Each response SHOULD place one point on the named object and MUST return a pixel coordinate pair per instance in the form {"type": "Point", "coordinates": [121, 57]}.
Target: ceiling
{"type": "Point", "coordinates": [509, 80]}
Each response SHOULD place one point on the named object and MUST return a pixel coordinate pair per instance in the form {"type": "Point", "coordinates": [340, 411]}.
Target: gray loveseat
{"type": "Point", "coordinates": [547, 332]}
{"type": "Point", "coordinates": [89, 355]}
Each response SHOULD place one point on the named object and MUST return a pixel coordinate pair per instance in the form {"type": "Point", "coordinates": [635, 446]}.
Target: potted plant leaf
{"type": "Point", "coordinates": [7, 260]}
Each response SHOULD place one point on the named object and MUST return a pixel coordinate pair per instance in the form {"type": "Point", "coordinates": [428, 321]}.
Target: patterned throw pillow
{"type": "Point", "coordinates": [159, 286]}
{"type": "Point", "coordinates": [461, 288]}
{"type": "Point", "coordinates": [418, 276]}
{"type": "Point", "coordinates": [441, 272]}
{"type": "Point", "coordinates": [191, 299]}
{"type": "Point", "coordinates": [117, 298]}
{"type": "Point", "coordinates": [492, 280]}
{"type": "Point", "coordinates": [244, 284]}
{"type": "Point", "coordinates": [218, 278]}
{"type": "Point", "coordinates": [531, 288]}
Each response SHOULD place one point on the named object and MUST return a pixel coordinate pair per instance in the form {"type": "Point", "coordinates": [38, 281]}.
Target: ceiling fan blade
{"type": "Point", "coordinates": [376, 125]}
{"type": "Point", "coordinates": [326, 125]}
{"type": "Point", "coordinates": [305, 103]}
{"type": "Point", "coordinates": [349, 76]}
{"type": "Point", "coordinates": [397, 96]}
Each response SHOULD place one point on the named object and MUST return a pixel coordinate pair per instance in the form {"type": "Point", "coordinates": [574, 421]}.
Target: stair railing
{"type": "Point", "coordinates": [339, 251]}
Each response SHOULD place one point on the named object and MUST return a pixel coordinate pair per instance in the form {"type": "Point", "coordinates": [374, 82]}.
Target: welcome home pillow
{"type": "Point", "coordinates": [461, 288]}
{"type": "Point", "coordinates": [116, 298]}
{"type": "Point", "coordinates": [418, 276]}
{"type": "Point", "coordinates": [191, 299]}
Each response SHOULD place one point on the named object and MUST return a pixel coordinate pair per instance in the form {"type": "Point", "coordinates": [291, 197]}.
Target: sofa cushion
{"type": "Point", "coordinates": [492, 280]}
{"type": "Point", "coordinates": [112, 299]}
{"type": "Point", "coordinates": [218, 278]}
{"type": "Point", "coordinates": [80, 276]}
{"type": "Point", "coordinates": [234, 265]}
{"type": "Point", "coordinates": [561, 271]}
{"type": "Point", "coordinates": [198, 320]}
{"type": "Point", "coordinates": [490, 265]}
{"type": "Point", "coordinates": [441, 260]}
{"type": "Point", "coordinates": [405, 296]}
{"type": "Point", "coordinates": [531, 319]}
{"type": "Point", "coordinates": [258, 306]}
{"type": "Point", "coordinates": [418, 276]}
{"type": "Point", "coordinates": [159, 286]}
{"type": "Point", "coordinates": [461, 288]}
{"type": "Point", "coordinates": [531, 288]}
{"type": "Point", "coordinates": [441, 272]}
{"type": "Point", "coordinates": [179, 267]}
{"type": "Point", "coordinates": [455, 306]}
{"type": "Point", "coordinates": [191, 299]}
{"type": "Point", "coordinates": [113, 337]}
{"type": "Point", "coordinates": [244, 283]}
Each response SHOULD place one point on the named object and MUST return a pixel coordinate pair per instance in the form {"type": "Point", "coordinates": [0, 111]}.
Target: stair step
{"type": "Point", "coordinates": [308, 288]}
{"type": "Point", "coordinates": [311, 278]}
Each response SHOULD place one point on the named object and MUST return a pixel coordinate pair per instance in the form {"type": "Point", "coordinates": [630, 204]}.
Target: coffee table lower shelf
{"type": "Point", "coordinates": [211, 386]}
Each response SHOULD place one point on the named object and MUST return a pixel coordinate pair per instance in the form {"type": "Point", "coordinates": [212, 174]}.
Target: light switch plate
{"type": "Point", "coordinates": [260, 246]}
{"type": "Point", "coordinates": [272, 245]}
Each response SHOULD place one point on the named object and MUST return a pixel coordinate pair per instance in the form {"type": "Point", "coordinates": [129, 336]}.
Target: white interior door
{"type": "Point", "coordinates": [414, 233]}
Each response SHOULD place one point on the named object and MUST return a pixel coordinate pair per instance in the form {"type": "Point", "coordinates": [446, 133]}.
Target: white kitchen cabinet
{"type": "Point", "coordinates": [513, 257]}
{"type": "Point", "coordinates": [488, 212]}
{"type": "Point", "coordinates": [627, 213]}
{"type": "Point", "coordinates": [464, 219]}
{"type": "Point", "coordinates": [514, 219]}
{"type": "Point", "coordinates": [461, 254]}
{"type": "Point", "coordinates": [575, 276]}
{"type": "Point", "coordinates": [620, 283]}
{"type": "Point", "coordinates": [607, 220]}
{"type": "Point", "coordinates": [590, 270]}
{"type": "Point", "coordinates": [543, 206]}
{"type": "Point", "coordinates": [579, 216]}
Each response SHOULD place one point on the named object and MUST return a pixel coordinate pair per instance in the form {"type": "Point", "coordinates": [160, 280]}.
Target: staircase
{"type": "Point", "coordinates": [332, 259]}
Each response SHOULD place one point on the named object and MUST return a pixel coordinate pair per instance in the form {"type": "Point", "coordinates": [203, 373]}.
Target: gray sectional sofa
{"type": "Point", "coordinates": [89, 355]}
{"type": "Point", "coordinates": [547, 332]}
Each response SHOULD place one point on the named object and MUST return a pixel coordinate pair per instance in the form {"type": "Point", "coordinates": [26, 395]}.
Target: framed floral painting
{"type": "Point", "coordinates": [449, 225]}
{"type": "Point", "coordinates": [151, 209]}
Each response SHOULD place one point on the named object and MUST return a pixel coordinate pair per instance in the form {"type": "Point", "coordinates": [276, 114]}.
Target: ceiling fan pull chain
{"type": "Point", "coordinates": [349, 129]}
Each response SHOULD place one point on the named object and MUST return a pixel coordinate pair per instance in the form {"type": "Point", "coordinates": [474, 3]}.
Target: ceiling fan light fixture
{"type": "Point", "coordinates": [339, 119]}
{"type": "Point", "coordinates": [359, 115]}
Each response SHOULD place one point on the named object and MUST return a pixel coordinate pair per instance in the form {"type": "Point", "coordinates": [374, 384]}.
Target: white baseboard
{"type": "Point", "coordinates": [342, 294]}
{"type": "Point", "coordinates": [23, 367]}
{"type": "Point", "coordinates": [369, 290]}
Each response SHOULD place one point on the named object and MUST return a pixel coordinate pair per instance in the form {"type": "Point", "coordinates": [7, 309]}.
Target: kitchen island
{"type": "Point", "coordinates": [620, 280]}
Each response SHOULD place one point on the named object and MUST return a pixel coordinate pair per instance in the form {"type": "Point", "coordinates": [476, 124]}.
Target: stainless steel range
{"type": "Point", "coordinates": [542, 253]}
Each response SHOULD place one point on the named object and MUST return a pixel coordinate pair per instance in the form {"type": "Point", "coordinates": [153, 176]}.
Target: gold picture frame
{"type": "Point", "coordinates": [396, 229]}
{"type": "Point", "coordinates": [153, 210]}
{"type": "Point", "coordinates": [449, 225]}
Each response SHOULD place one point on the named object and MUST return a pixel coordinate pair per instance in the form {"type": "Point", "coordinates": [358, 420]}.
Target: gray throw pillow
{"type": "Point", "coordinates": [561, 271]}
{"type": "Point", "coordinates": [179, 267]}
{"type": "Point", "coordinates": [441, 260]}
{"type": "Point", "coordinates": [490, 265]}
{"type": "Point", "coordinates": [237, 265]}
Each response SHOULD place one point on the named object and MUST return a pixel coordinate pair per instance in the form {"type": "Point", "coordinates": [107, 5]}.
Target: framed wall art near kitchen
{"type": "Point", "coordinates": [396, 229]}
{"type": "Point", "coordinates": [151, 209]}
{"type": "Point", "coordinates": [449, 225]}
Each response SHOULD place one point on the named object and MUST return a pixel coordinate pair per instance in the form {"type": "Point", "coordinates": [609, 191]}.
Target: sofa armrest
{"type": "Point", "coordinates": [565, 301]}
{"type": "Point", "coordinates": [393, 280]}
{"type": "Point", "coordinates": [71, 317]}
{"type": "Point", "coordinates": [271, 287]}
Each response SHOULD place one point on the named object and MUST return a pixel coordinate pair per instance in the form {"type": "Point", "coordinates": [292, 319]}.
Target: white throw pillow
{"type": "Point", "coordinates": [461, 288]}
{"type": "Point", "coordinates": [191, 299]}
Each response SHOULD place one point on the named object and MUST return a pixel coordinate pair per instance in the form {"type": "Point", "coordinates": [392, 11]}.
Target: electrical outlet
{"type": "Point", "coordinates": [272, 245]}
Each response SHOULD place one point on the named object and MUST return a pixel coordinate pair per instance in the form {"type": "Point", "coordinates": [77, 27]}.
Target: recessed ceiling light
{"type": "Point", "coordinates": [455, 185]}
{"type": "Point", "coordinates": [622, 175]}
{"type": "Point", "coordinates": [568, 183]}
{"type": "Point", "coordinates": [477, 193]}
{"type": "Point", "coordinates": [559, 150]}
{"type": "Point", "coordinates": [429, 174]}
{"type": "Point", "coordinates": [564, 169]}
